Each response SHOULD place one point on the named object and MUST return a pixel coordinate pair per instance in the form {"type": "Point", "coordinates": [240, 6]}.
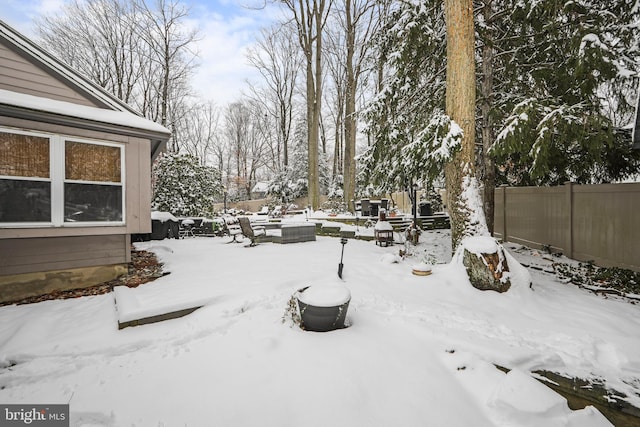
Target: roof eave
{"type": "Point", "coordinates": [158, 139]}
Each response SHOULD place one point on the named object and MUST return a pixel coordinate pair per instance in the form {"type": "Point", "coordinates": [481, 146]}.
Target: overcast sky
{"type": "Point", "coordinates": [227, 29]}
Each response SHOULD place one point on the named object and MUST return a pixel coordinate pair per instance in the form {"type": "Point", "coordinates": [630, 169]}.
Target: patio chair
{"type": "Point", "coordinates": [232, 229]}
{"type": "Point", "coordinates": [365, 207]}
{"type": "Point", "coordinates": [250, 232]}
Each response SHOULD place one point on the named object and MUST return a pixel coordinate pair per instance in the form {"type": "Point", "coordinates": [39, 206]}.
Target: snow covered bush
{"type": "Point", "coordinates": [546, 144]}
{"type": "Point", "coordinates": [184, 187]}
{"type": "Point", "coordinates": [284, 187]}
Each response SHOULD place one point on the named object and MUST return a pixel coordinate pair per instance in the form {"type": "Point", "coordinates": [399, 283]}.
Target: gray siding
{"type": "Point", "coordinates": [17, 74]}
{"type": "Point", "coordinates": [138, 186]}
{"type": "Point", "coordinates": [44, 254]}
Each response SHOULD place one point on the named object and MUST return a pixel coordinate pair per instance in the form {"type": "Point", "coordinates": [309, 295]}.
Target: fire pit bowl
{"type": "Point", "coordinates": [323, 308]}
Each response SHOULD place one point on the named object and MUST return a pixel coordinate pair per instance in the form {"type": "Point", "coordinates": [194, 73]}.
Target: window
{"type": "Point", "coordinates": [55, 180]}
{"type": "Point", "coordinates": [25, 184]}
{"type": "Point", "coordinates": [92, 186]}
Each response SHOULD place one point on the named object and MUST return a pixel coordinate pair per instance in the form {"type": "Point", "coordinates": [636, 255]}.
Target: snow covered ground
{"type": "Point", "coordinates": [419, 350]}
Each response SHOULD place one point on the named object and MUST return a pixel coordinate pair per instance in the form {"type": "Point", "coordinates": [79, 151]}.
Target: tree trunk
{"type": "Point", "coordinates": [313, 119]}
{"type": "Point", "coordinates": [337, 146]}
{"type": "Point", "coordinates": [460, 106]}
{"type": "Point", "coordinates": [486, 271]}
{"type": "Point", "coordinates": [349, 169]}
{"type": "Point", "coordinates": [487, 118]}
{"type": "Point", "coordinates": [314, 104]}
{"type": "Point", "coordinates": [314, 132]}
{"type": "Point", "coordinates": [309, 21]}
{"type": "Point", "coordinates": [285, 121]}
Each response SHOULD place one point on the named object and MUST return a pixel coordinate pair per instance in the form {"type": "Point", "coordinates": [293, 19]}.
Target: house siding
{"type": "Point", "coordinates": [18, 74]}
{"type": "Point", "coordinates": [138, 186]}
{"type": "Point", "coordinates": [21, 256]}
{"type": "Point", "coordinates": [37, 266]}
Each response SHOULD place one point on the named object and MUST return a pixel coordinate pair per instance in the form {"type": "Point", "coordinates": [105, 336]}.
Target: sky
{"type": "Point", "coordinates": [227, 29]}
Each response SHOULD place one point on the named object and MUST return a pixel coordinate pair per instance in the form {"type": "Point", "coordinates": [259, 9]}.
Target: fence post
{"type": "Point", "coordinates": [568, 245]}
{"type": "Point", "coordinates": [503, 188]}
{"type": "Point", "coordinates": [502, 193]}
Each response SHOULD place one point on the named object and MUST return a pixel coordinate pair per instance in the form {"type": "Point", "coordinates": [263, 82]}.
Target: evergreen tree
{"type": "Point", "coordinates": [411, 136]}
{"type": "Point", "coordinates": [182, 186]}
{"type": "Point", "coordinates": [559, 61]}
{"type": "Point", "coordinates": [564, 83]}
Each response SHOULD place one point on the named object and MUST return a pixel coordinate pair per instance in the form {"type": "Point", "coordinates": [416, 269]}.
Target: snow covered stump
{"type": "Point", "coordinates": [422, 269]}
{"type": "Point", "coordinates": [486, 263]}
{"type": "Point", "coordinates": [323, 308]}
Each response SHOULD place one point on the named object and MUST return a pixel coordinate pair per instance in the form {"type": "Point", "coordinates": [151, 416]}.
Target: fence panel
{"type": "Point", "coordinates": [598, 223]}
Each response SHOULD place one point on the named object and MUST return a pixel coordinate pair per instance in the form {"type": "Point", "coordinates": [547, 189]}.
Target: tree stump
{"type": "Point", "coordinates": [486, 271]}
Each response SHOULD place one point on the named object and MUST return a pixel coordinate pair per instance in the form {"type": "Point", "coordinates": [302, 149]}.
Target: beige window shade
{"type": "Point", "coordinates": [92, 162]}
{"type": "Point", "coordinates": [24, 155]}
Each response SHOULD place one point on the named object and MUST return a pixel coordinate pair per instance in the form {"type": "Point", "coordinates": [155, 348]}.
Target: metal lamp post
{"type": "Point", "coordinates": [415, 204]}
{"type": "Point", "coordinates": [343, 241]}
{"type": "Point", "coordinates": [225, 199]}
{"type": "Point", "coordinates": [415, 214]}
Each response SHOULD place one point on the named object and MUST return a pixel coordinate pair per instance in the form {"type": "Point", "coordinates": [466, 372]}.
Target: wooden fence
{"type": "Point", "coordinates": [599, 223]}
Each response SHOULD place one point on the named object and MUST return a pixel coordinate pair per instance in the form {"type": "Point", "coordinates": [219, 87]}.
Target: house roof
{"type": "Point", "coordinates": [68, 109]}
{"type": "Point", "coordinates": [260, 187]}
{"type": "Point", "coordinates": [116, 116]}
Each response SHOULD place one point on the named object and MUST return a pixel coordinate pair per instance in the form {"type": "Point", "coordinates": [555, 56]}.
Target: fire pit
{"type": "Point", "coordinates": [323, 308]}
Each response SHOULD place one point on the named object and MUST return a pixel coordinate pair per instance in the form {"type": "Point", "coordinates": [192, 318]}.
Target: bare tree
{"type": "Point", "coordinates": [98, 39]}
{"type": "Point", "coordinates": [170, 50]}
{"type": "Point", "coordinates": [236, 125]}
{"type": "Point", "coordinates": [359, 22]}
{"type": "Point", "coordinates": [199, 130]}
{"type": "Point", "coordinates": [336, 95]}
{"type": "Point", "coordinates": [310, 18]}
{"type": "Point", "coordinates": [246, 131]}
{"type": "Point", "coordinates": [278, 60]}
{"type": "Point", "coordinates": [139, 52]}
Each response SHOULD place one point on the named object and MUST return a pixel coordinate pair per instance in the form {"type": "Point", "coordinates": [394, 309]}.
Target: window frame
{"type": "Point", "coordinates": [57, 180]}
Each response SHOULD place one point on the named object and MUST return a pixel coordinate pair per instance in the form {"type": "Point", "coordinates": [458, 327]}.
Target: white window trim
{"type": "Point", "coordinates": [57, 180]}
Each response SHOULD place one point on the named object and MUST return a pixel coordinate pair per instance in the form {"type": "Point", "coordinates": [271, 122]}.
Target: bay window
{"type": "Point", "coordinates": [57, 180]}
